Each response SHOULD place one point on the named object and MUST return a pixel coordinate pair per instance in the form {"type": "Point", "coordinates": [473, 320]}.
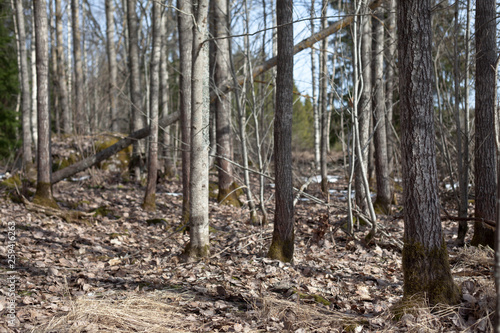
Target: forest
{"type": "Point", "coordinates": [249, 166]}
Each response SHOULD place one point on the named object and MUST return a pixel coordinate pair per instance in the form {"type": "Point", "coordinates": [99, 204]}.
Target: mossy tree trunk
{"type": "Point", "coordinates": [185, 23]}
{"type": "Point", "coordinates": [43, 195]}
{"type": "Point", "coordinates": [200, 103]}
{"type": "Point", "coordinates": [282, 245]}
{"type": "Point", "coordinates": [484, 161]}
{"type": "Point", "coordinates": [425, 258]}
{"type": "Point", "coordinates": [223, 106]}
{"type": "Point", "coordinates": [149, 203]}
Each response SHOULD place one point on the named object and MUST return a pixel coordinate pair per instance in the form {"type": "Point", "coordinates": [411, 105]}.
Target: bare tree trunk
{"type": "Point", "coordinates": [25, 88]}
{"type": "Point", "coordinates": [200, 101]}
{"type": "Point", "coordinates": [169, 163]}
{"type": "Point", "coordinates": [324, 104]}
{"type": "Point", "coordinates": [185, 22]}
{"type": "Point", "coordinates": [282, 245]}
{"type": "Point", "coordinates": [425, 258]}
{"type": "Point", "coordinates": [226, 195]}
{"type": "Point", "coordinates": [464, 185]}
{"type": "Point", "coordinates": [317, 127]}
{"type": "Point", "coordinates": [43, 195]}
{"type": "Point", "coordinates": [112, 65]}
{"type": "Point", "coordinates": [364, 110]}
{"type": "Point", "coordinates": [484, 161]}
{"type": "Point", "coordinates": [136, 121]}
{"type": "Point", "coordinates": [61, 74]}
{"type": "Point", "coordinates": [150, 195]}
{"type": "Point", "coordinates": [34, 88]}
{"type": "Point", "coordinates": [384, 193]}
{"type": "Point", "coordinates": [390, 81]}
{"type": "Point", "coordinates": [79, 110]}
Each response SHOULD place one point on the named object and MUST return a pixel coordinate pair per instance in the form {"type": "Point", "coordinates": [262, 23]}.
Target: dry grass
{"type": "Point", "coordinates": [152, 313]}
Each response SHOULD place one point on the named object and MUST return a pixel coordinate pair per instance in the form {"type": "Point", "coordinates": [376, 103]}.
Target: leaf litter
{"type": "Point", "coordinates": [116, 268]}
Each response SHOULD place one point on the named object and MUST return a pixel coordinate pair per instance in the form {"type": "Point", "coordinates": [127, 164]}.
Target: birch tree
{"type": "Point", "coordinates": [200, 102]}
{"type": "Point", "coordinates": [79, 109]}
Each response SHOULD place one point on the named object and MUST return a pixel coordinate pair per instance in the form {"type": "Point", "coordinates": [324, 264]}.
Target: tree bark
{"type": "Point", "coordinates": [425, 258]}
{"type": "Point", "coordinates": [384, 193]}
{"type": "Point", "coordinates": [79, 110]}
{"type": "Point", "coordinates": [364, 111]}
{"type": "Point", "coordinates": [136, 107]}
{"type": "Point", "coordinates": [282, 245]}
{"type": "Point", "coordinates": [324, 104]}
{"type": "Point", "coordinates": [226, 194]}
{"type": "Point", "coordinates": [185, 23]}
{"type": "Point", "coordinates": [112, 65]}
{"type": "Point", "coordinates": [198, 219]}
{"type": "Point", "coordinates": [63, 89]}
{"type": "Point", "coordinates": [484, 161]}
{"type": "Point", "coordinates": [25, 89]}
{"type": "Point", "coordinates": [149, 203]}
{"type": "Point", "coordinates": [43, 195]}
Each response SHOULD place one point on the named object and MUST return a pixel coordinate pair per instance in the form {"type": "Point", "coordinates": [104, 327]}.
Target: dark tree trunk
{"type": "Point", "coordinates": [384, 193]}
{"type": "Point", "coordinates": [223, 107]}
{"type": "Point", "coordinates": [425, 258]}
{"type": "Point", "coordinates": [282, 245]}
{"type": "Point", "coordinates": [484, 161]}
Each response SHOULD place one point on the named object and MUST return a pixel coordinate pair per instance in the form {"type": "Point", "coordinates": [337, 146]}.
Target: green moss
{"type": "Point", "coordinates": [194, 253]}
{"type": "Point", "coordinates": [104, 211]}
{"type": "Point", "coordinates": [149, 203]}
{"type": "Point", "coordinates": [155, 221]}
{"type": "Point", "coordinates": [115, 235]}
{"type": "Point", "coordinates": [382, 208]}
{"type": "Point", "coordinates": [213, 190]}
{"type": "Point", "coordinates": [59, 164]}
{"type": "Point", "coordinates": [281, 249]}
{"type": "Point", "coordinates": [409, 305]}
{"type": "Point", "coordinates": [427, 271]}
{"type": "Point", "coordinates": [12, 182]}
{"type": "Point", "coordinates": [43, 196]}
{"type": "Point", "coordinates": [123, 156]}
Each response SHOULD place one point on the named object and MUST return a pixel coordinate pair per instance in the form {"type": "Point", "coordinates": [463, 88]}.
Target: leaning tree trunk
{"type": "Point", "coordinates": [226, 195]}
{"type": "Point", "coordinates": [113, 67]}
{"type": "Point", "coordinates": [149, 203]}
{"type": "Point", "coordinates": [282, 244]}
{"type": "Point", "coordinates": [185, 23]}
{"type": "Point", "coordinates": [384, 193]}
{"type": "Point", "coordinates": [43, 195]}
{"type": "Point", "coordinates": [25, 89]}
{"type": "Point", "coordinates": [200, 101]}
{"type": "Point", "coordinates": [426, 268]}
{"type": "Point", "coordinates": [484, 160]}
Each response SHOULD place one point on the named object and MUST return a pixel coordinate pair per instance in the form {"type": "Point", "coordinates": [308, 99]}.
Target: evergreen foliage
{"type": "Point", "coordinates": [9, 85]}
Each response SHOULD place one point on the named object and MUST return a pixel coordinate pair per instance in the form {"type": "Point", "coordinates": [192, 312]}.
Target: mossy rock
{"type": "Point", "coordinates": [61, 163]}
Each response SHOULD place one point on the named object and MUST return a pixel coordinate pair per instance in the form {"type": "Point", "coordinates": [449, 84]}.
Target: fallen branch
{"type": "Point", "coordinates": [475, 219]}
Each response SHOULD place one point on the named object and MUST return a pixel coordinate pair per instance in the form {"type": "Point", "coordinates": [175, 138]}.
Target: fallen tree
{"type": "Point", "coordinates": [111, 150]}
{"type": "Point", "coordinates": [226, 87]}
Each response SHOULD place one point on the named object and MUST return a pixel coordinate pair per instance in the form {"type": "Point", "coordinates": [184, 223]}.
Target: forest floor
{"type": "Point", "coordinates": [117, 268]}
